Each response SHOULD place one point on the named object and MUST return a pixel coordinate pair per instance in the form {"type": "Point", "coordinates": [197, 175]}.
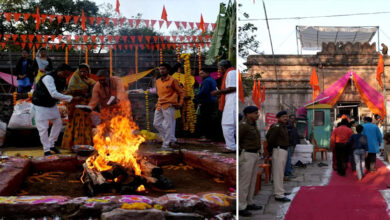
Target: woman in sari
{"type": "Point", "coordinates": [42, 64]}
{"type": "Point", "coordinates": [78, 131]}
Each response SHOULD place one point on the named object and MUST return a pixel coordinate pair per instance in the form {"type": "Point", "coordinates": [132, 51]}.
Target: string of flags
{"type": "Point", "coordinates": [107, 21]}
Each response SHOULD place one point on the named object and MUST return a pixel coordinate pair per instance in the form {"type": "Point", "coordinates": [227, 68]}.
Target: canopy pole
{"type": "Point", "coordinates": [296, 37]}
{"type": "Point", "coordinates": [384, 99]}
{"type": "Point", "coordinates": [379, 44]}
{"type": "Point", "coordinates": [273, 56]}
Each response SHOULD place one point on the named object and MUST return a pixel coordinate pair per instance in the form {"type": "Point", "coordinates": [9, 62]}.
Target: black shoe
{"type": "Point", "coordinates": [48, 153]}
{"type": "Point", "coordinates": [254, 207]}
{"type": "Point", "coordinates": [284, 199]}
{"type": "Point", "coordinates": [244, 213]}
{"type": "Point", "coordinates": [287, 194]}
{"type": "Point", "coordinates": [55, 150]}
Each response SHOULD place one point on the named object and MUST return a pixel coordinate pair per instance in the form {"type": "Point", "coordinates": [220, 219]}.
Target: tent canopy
{"type": "Point", "coordinates": [312, 37]}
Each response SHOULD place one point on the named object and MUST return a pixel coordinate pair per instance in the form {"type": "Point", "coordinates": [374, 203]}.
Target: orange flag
{"type": "Point", "coordinates": [83, 19]}
{"type": "Point", "coordinates": [38, 19]}
{"type": "Point", "coordinates": [263, 95]}
{"type": "Point", "coordinates": [240, 89]}
{"type": "Point", "coordinates": [164, 15]}
{"type": "Point", "coordinates": [201, 25]}
{"type": "Point", "coordinates": [254, 93]}
{"type": "Point", "coordinates": [314, 84]}
{"type": "Point", "coordinates": [258, 91]}
{"type": "Point", "coordinates": [117, 6]}
{"type": "Point", "coordinates": [380, 70]}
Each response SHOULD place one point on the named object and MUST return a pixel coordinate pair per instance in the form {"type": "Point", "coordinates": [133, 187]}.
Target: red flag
{"type": "Point", "coordinates": [83, 19]}
{"type": "Point", "coordinates": [51, 18]}
{"type": "Point", "coordinates": [164, 15]}
{"type": "Point", "coordinates": [147, 39]}
{"type": "Point", "coordinates": [107, 20]}
{"type": "Point", "coordinates": [67, 18]}
{"type": "Point", "coordinates": [93, 38]}
{"type": "Point", "coordinates": [59, 19]}
{"type": "Point", "coordinates": [240, 89]}
{"type": "Point", "coordinates": [117, 6]}
{"type": "Point", "coordinates": [124, 38]}
{"type": "Point", "coordinates": [23, 36]}
{"type": "Point", "coordinates": [76, 19]}
{"type": "Point", "coordinates": [115, 21]}
{"type": "Point", "coordinates": [91, 20]}
{"type": "Point", "coordinates": [314, 84]}
{"type": "Point", "coordinates": [38, 19]}
{"type": "Point", "coordinates": [161, 23]}
{"type": "Point", "coordinates": [26, 16]}
{"type": "Point", "coordinates": [98, 20]}
{"type": "Point", "coordinates": [152, 22]}
{"type": "Point", "coordinates": [202, 24]}
{"type": "Point", "coordinates": [191, 25]}
{"type": "Point", "coordinates": [121, 21]}
{"type": "Point", "coordinates": [380, 70]}
{"type": "Point", "coordinates": [7, 15]}
{"type": "Point", "coordinates": [17, 16]}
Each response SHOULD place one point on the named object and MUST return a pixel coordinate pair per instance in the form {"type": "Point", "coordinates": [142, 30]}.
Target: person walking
{"type": "Point", "coordinates": [278, 139]}
{"type": "Point", "coordinates": [359, 146]}
{"type": "Point", "coordinates": [249, 142]}
{"type": "Point", "coordinates": [170, 97]}
{"type": "Point", "coordinates": [44, 100]}
{"type": "Point", "coordinates": [338, 142]}
{"type": "Point", "coordinates": [374, 139]}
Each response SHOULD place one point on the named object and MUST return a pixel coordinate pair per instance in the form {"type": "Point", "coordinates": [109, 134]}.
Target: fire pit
{"type": "Point", "coordinates": [117, 167]}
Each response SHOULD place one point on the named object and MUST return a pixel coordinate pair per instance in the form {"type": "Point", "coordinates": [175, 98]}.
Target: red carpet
{"type": "Point", "coordinates": [344, 198]}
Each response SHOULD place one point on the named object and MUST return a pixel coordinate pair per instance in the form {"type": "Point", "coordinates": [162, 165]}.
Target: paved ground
{"type": "Point", "coordinates": [312, 175]}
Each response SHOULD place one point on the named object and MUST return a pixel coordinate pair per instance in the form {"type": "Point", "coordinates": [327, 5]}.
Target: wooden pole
{"type": "Point", "coordinates": [273, 56]}
{"type": "Point", "coordinates": [86, 55]}
{"type": "Point", "coordinates": [66, 55]}
{"type": "Point", "coordinates": [110, 61]}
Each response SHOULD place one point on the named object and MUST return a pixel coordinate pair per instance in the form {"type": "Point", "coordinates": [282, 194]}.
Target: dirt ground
{"type": "Point", "coordinates": [69, 184]}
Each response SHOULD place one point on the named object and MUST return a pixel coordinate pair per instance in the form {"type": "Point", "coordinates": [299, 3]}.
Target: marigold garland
{"type": "Point", "coordinates": [161, 56]}
{"type": "Point", "coordinates": [188, 114]}
{"type": "Point", "coordinates": [136, 60]}
{"type": "Point", "coordinates": [178, 54]}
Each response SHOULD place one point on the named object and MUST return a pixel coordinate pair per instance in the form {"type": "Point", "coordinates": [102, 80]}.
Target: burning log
{"type": "Point", "coordinates": [121, 179]}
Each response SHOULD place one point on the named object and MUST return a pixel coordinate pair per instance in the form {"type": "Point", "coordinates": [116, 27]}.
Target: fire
{"type": "Point", "coordinates": [115, 141]}
{"type": "Point", "coordinates": [141, 188]}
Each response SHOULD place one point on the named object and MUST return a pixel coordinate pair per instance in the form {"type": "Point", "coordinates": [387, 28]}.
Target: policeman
{"type": "Point", "coordinates": [278, 139]}
{"type": "Point", "coordinates": [249, 139]}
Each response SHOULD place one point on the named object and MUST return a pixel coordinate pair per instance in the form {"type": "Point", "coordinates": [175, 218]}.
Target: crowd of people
{"type": "Point", "coordinates": [77, 88]}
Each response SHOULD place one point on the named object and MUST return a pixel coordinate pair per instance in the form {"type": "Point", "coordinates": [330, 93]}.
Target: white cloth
{"type": "Point", "coordinates": [42, 64]}
{"type": "Point", "coordinates": [163, 122]}
{"type": "Point", "coordinates": [248, 168]}
{"type": "Point", "coordinates": [43, 129]}
{"type": "Point", "coordinates": [229, 112]}
{"type": "Point", "coordinates": [42, 115]}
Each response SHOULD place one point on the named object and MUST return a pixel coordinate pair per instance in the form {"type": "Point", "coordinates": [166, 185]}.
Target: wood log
{"type": "Point", "coordinates": [96, 177]}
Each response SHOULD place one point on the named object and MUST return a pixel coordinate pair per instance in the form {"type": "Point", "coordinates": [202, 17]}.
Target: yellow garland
{"type": "Point", "coordinates": [178, 53]}
{"type": "Point", "coordinates": [33, 52]}
{"type": "Point", "coordinates": [188, 116]}
{"type": "Point", "coordinates": [147, 110]}
{"type": "Point", "coordinates": [136, 205]}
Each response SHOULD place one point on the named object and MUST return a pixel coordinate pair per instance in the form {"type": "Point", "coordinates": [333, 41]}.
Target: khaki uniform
{"type": "Point", "coordinates": [249, 139]}
{"type": "Point", "coordinates": [278, 138]}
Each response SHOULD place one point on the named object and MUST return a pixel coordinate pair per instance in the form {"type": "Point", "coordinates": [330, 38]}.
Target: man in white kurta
{"type": "Point", "coordinates": [45, 108]}
{"type": "Point", "coordinates": [228, 104]}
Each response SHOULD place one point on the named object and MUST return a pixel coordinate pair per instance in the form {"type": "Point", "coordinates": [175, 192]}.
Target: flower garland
{"type": "Point", "coordinates": [161, 56]}
{"type": "Point", "coordinates": [200, 58]}
{"type": "Point", "coordinates": [147, 110]}
{"type": "Point", "coordinates": [178, 54]}
{"type": "Point", "coordinates": [188, 115]}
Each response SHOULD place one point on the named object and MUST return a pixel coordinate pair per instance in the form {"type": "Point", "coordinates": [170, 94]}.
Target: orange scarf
{"type": "Point", "coordinates": [223, 86]}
